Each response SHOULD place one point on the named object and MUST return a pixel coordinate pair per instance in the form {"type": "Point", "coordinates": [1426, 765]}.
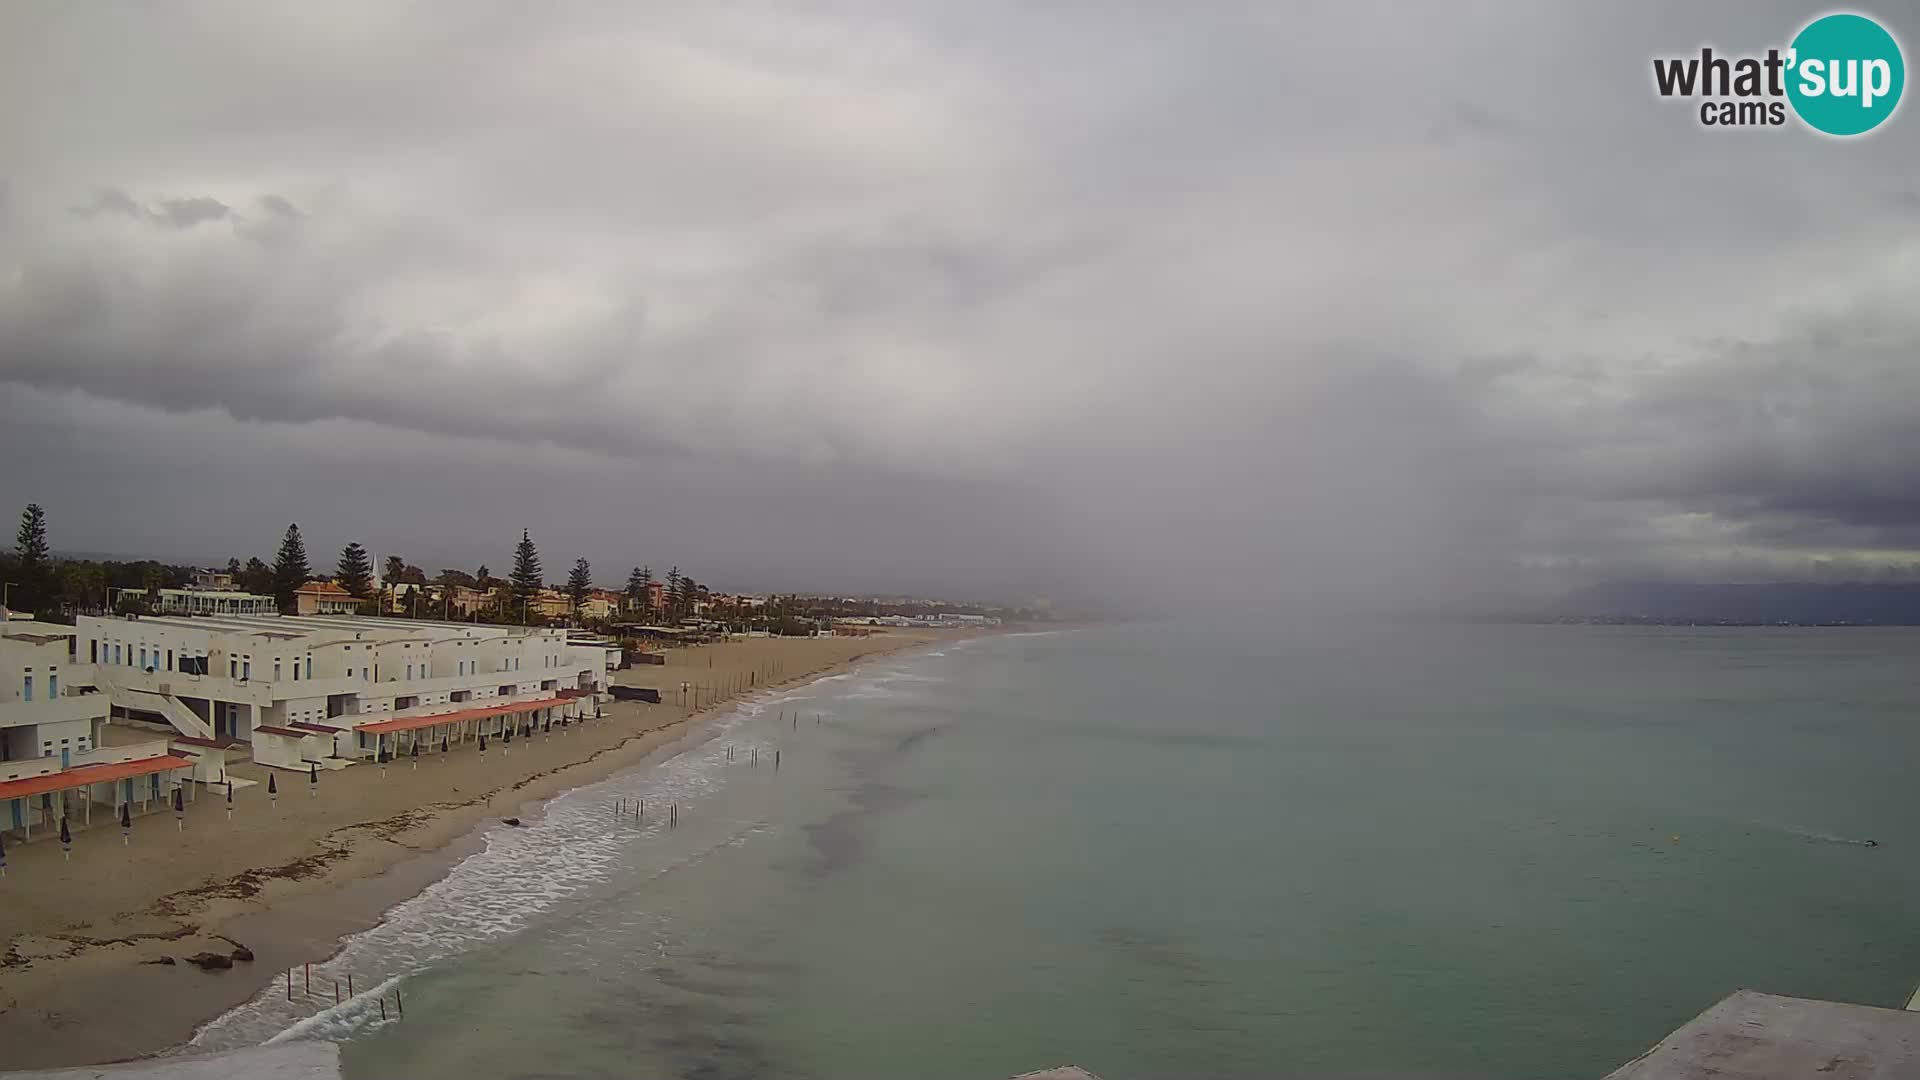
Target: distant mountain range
{"type": "Point", "coordinates": [1784, 603]}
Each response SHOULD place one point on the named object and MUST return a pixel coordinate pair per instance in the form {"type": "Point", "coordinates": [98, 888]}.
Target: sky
{"type": "Point", "coordinates": [1250, 303]}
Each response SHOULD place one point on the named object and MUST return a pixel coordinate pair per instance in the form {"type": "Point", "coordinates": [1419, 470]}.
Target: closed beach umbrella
{"type": "Point", "coordinates": [179, 807]}
{"type": "Point", "coordinates": [443, 744]}
{"type": "Point", "coordinates": [126, 824]}
{"type": "Point", "coordinates": [483, 743]}
{"type": "Point", "coordinates": [3, 856]}
{"type": "Point", "coordinates": [273, 791]}
{"type": "Point", "coordinates": [66, 839]}
{"type": "Point", "coordinates": [313, 779]}
{"type": "Point", "coordinates": [229, 800]}
{"type": "Point", "coordinates": [416, 755]}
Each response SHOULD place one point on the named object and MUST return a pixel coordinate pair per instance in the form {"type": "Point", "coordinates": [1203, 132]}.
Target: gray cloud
{"type": "Point", "coordinates": [176, 213]}
{"type": "Point", "coordinates": [1461, 313]}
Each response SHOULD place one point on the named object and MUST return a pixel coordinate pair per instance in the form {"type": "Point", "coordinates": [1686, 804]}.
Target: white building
{"type": "Point", "coordinates": [47, 712]}
{"type": "Point", "coordinates": [199, 601]}
{"type": "Point", "coordinates": [229, 677]}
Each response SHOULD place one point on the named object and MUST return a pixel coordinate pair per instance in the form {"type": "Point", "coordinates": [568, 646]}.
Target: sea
{"type": "Point", "coordinates": [1168, 850]}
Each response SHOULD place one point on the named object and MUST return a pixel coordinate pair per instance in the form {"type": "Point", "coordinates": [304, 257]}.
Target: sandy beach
{"type": "Point", "coordinates": [80, 977]}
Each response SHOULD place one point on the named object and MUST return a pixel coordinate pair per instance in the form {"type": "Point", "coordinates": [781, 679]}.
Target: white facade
{"type": "Point", "coordinates": [199, 601]}
{"type": "Point", "coordinates": [44, 715]}
{"type": "Point", "coordinates": [228, 676]}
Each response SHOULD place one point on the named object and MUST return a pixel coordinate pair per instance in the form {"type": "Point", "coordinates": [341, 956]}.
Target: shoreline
{"type": "Point", "coordinates": [92, 991]}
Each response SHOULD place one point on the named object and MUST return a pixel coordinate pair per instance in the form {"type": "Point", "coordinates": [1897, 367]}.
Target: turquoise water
{"type": "Point", "coordinates": [1349, 851]}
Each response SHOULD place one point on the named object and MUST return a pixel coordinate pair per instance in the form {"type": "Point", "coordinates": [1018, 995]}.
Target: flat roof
{"type": "Point", "coordinates": [413, 723]}
{"type": "Point", "coordinates": [288, 732]}
{"type": "Point", "coordinates": [67, 779]}
{"type": "Point", "coordinates": [369, 628]}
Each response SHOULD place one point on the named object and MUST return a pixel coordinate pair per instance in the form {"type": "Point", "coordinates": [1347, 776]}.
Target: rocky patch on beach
{"type": "Point", "coordinates": [211, 961]}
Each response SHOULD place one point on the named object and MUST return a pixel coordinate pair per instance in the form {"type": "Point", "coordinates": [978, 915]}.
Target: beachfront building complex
{"type": "Point", "coordinates": [226, 678]}
{"type": "Point", "coordinates": [294, 692]}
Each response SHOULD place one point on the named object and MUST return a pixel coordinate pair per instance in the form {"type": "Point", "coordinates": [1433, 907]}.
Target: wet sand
{"type": "Point", "coordinates": [78, 984]}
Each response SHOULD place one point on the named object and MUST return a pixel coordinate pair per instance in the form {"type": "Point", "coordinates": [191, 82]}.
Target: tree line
{"type": "Point", "coordinates": [57, 589]}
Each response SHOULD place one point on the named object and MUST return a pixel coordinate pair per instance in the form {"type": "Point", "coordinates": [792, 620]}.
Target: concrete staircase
{"type": "Point", "coordinates": [184, 720]}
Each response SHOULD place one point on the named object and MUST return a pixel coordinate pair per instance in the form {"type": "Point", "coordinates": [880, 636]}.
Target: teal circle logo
{"type": "Point", "coordinates": [1845, 74]}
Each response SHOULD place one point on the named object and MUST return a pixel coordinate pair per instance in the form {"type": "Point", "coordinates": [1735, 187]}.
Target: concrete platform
{"type": "Point", "coordinates": [1755, 1036]}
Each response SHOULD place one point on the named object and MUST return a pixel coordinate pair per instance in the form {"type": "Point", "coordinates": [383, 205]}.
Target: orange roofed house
{"type": "Point", "coordinates": [324, 598]}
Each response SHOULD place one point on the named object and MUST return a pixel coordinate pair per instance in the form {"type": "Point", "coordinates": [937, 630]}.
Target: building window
{"type": "Point", "coordinates": [27, 687]}
{"type": "Point", "coordinates": [246, 669]}
{"type": "Point", "coordinates": [53, 685]}
{"type": "Point", "coordinates": [93, 650]}
{"type": "Point", "coordinates": [143, 658]}
{"type": "Point", "coordinates": [169, 659]}
{"type": "Point", "coordinates": [409, 672]}
{"type": "Point", "coordinates": [309, 667]}
{"type": "Point", "coordinates": [296, 669]}
{"type": "Point", "coordinates": [276, 669]}
{"type": "Point", "coordinates": [233, 667]}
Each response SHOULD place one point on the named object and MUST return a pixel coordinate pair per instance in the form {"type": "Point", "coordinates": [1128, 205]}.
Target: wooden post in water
{"type": "Point", "coordinates": [398, 1004]}
{"type": "Point", "coordinates": [776, 761]}
{"type": "Point", "coordinates": [289, 984]}
{"type": "Point", "coordinates": [309, 977]}
{"type": "Point", "coordinates": [349, 984]}
{"type": "Point", "coordinates": [336, 991]}
{"type": "Point", "coordinates": [383, 1006]}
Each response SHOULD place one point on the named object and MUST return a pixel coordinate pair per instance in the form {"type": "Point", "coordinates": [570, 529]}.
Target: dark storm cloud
{"type": "Point", "coordinates": [1245, 300]}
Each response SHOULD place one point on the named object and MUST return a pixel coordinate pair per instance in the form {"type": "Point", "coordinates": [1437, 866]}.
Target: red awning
{"type": "Point", "coordinates": [414, 723]}
{"type": "Point", "coordinates": [67, 779]}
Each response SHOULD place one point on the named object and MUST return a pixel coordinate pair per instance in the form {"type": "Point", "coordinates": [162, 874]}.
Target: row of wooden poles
{"type": "Point", "coordinates": [306, 970]}
{"type": "Point", "coordinates": [621, 807]}
{"type": "Point", "coordinates": [695, 696]}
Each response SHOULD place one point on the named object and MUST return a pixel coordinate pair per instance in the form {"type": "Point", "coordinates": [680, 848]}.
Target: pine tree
{"type": "Point", "coordinates": [689, 591]}
{"type": "Point", "coordinates": [32, 562]}
{"type": "Point", "coordinates": [355, 573]}
{"type": "Point", "coordinates": [396, 570]}
{"type": "Point", "coordinates": [579, 582]}
{"type": "Point", "coordinates": [483, 579]}
{"type": "Point", "coordinates": [526, 579]}
{"type": "Point", "coordinates": [290, 569]}
{"type": "Point", "coordinates": [636, 588]}
{"type": "Point", "coordinates": [233, 568]}
{"type": "Point", "coordinates": [673, 591]}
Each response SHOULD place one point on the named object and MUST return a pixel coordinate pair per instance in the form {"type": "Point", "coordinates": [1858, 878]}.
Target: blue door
{"type": "Point", "coordinates": [66, 757]}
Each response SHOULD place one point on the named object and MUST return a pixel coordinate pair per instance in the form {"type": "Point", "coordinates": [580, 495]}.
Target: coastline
{"type": "Point", "coordinates": [90, 989]}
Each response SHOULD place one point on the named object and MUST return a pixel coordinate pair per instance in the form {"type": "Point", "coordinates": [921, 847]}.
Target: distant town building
{"type": "Point", "coordinates": [324, 598]}
{"type": "Point", "coordinates": [196, 601]}
{"type": "Point", "coordinates": [212, 581]}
